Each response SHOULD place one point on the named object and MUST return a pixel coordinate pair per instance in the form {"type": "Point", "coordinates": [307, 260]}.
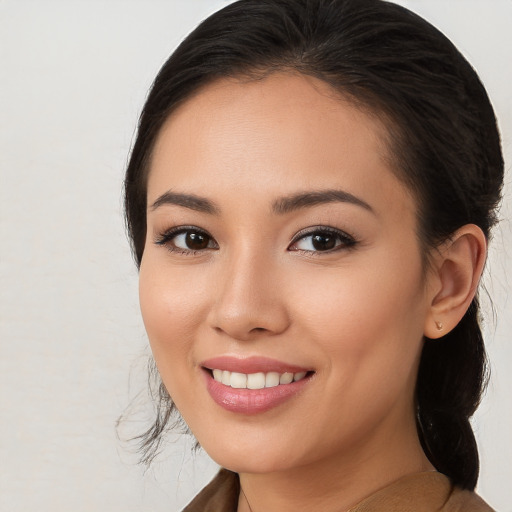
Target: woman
{"type": "Point", "coordinates": [309, 199]}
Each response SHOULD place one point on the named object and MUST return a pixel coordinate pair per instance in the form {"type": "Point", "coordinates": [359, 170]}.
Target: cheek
{"type": "Point", "coordinates": [368, 318]}
{"type": "Point", "coordinates": [368, 326]}
{"type": "Point", "coordinates": [172, 307]}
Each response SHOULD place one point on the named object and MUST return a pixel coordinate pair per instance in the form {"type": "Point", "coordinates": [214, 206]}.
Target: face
{"type": "Point", "coordinates": [281, 247]}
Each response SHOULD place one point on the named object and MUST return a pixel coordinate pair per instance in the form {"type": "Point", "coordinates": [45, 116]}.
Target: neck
{"type": "Point", "coordinates": [336, 483]}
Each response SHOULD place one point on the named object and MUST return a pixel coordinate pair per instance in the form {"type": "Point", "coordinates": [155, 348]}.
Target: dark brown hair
{"type": "Point", "coordinates": [444, 142]}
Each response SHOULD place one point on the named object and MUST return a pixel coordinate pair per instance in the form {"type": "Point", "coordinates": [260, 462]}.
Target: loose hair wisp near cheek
{"type": "Point", "coordinates": [165, 417]}
{"type": "Point", "coordinates": [443, 140]}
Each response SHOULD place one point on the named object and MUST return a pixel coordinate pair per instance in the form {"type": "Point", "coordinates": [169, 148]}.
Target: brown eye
{"type": "Point", "coordinates": [196, 241]}
{"type": "Point", "coordinates": [323, 241]}
{"type": "Point", "coordinates": [186, 240]}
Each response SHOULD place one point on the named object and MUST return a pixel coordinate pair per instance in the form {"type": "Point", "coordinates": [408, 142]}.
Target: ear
{"type": "Point", "coordinates": [454, 278]}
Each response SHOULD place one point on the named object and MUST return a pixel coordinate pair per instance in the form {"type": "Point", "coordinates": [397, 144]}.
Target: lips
{"type": "Point", "coordinates": [251, 365]}
{"type": "Point", "coordinates": [253, 385]}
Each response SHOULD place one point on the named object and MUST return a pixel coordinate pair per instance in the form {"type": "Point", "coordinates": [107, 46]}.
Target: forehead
{"type": "Point", "coordinates": [285, 130]}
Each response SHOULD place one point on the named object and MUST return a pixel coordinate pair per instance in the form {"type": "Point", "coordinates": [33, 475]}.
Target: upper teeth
{"type": "Point", "coordinates": [255, 380]}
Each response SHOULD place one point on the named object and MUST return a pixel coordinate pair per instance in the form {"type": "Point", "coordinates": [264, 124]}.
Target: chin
{"type": "Point", "coordinates": [260, 457]}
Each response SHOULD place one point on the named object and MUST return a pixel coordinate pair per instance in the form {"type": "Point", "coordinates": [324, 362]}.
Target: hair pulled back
{"type": "Point", "coordinates": [443, 139]}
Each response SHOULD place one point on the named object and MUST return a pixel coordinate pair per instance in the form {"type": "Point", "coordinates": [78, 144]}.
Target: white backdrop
{"type": "Point", "coordinates": [74, 75]}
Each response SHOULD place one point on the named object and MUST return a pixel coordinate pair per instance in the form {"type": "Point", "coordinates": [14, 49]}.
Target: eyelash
{"type": "Point", "coordinates": [346, 241]}
{"type": "Point", "coordinates": [166, 239]}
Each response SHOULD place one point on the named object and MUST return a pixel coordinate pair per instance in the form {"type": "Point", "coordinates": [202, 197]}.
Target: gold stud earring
{"type": "Point", "coordinates": [439, 326]}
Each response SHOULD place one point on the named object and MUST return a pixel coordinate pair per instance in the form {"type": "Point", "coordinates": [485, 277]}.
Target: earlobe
{"type": "Point", "coordinates": [457, 270]}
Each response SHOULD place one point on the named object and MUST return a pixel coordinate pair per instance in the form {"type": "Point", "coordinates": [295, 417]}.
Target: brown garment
{"type": "Point", "coordinates": [421, 492]}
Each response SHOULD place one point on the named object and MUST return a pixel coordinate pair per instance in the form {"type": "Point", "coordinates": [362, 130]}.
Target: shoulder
{"type": "Point", "coordinates": [420, 492]}
{"type": "Point", "coordinates": [466, 501]}
{"type": "Point", "coordinates": [423, 492]}
{"type": "Point", "coordinates": [220, 495]}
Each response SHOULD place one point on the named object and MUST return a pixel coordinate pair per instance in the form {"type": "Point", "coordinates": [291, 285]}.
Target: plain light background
{"type": "Point", "coordinates": [74, 75]}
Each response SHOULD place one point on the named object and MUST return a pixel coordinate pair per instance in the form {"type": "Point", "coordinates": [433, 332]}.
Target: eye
{"type": "Point", "coordinates": [186, 239]}
{"type": "Point", "coordinates": [322, 239]}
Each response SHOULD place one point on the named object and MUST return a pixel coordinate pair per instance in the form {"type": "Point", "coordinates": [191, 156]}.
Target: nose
{"type": "Point", "coordinates": [248, 302]}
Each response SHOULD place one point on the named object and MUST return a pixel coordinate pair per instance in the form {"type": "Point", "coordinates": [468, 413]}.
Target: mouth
{"type": "Point", "coordinates": [259, 380]}
{"type": "Point", "coordinates": [253, 385]}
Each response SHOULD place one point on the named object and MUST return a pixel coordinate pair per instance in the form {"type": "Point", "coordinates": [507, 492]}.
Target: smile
{"type": "Point", "coordinates": [253, 385]}
{"type": "Point", "coordinates": [258, 380]}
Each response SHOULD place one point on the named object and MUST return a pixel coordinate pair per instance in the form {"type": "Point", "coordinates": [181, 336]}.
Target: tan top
{"type": "Point", "coordinates": [420, 492]}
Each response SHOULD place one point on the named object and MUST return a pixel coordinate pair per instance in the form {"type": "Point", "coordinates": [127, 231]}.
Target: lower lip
{"type": "Point", "coordinates": [252, 401]}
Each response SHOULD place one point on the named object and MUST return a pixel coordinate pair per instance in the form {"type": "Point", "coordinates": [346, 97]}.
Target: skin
{"type": "Point", "coordinates": [356, 315]}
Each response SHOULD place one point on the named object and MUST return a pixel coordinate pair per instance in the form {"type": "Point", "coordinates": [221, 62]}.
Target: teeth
{"type": "Point", "coordinates": [258, 380]}
{"type": "Point", "coordinates": [286, 378]}
{"type": "Point", "coordinates": [299, 376]}
{"type": "Point", "coordinates": [255, 380]}
{"type": "Point", "coordinates": [238, 380]}
{"type": "Point", "coordinates": [271, 380]}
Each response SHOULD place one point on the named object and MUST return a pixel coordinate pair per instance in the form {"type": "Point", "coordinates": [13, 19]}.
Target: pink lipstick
{"type": "Point", "coordinates": [253, 385]}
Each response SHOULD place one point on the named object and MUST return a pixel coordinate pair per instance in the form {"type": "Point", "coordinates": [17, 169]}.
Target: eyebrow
{"type": "Point", "coordinates": [191, 201]}
{"type": "Point", "coordinates": [307, 199]}
{"type": "Point", "coordinates": [280, 206]}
